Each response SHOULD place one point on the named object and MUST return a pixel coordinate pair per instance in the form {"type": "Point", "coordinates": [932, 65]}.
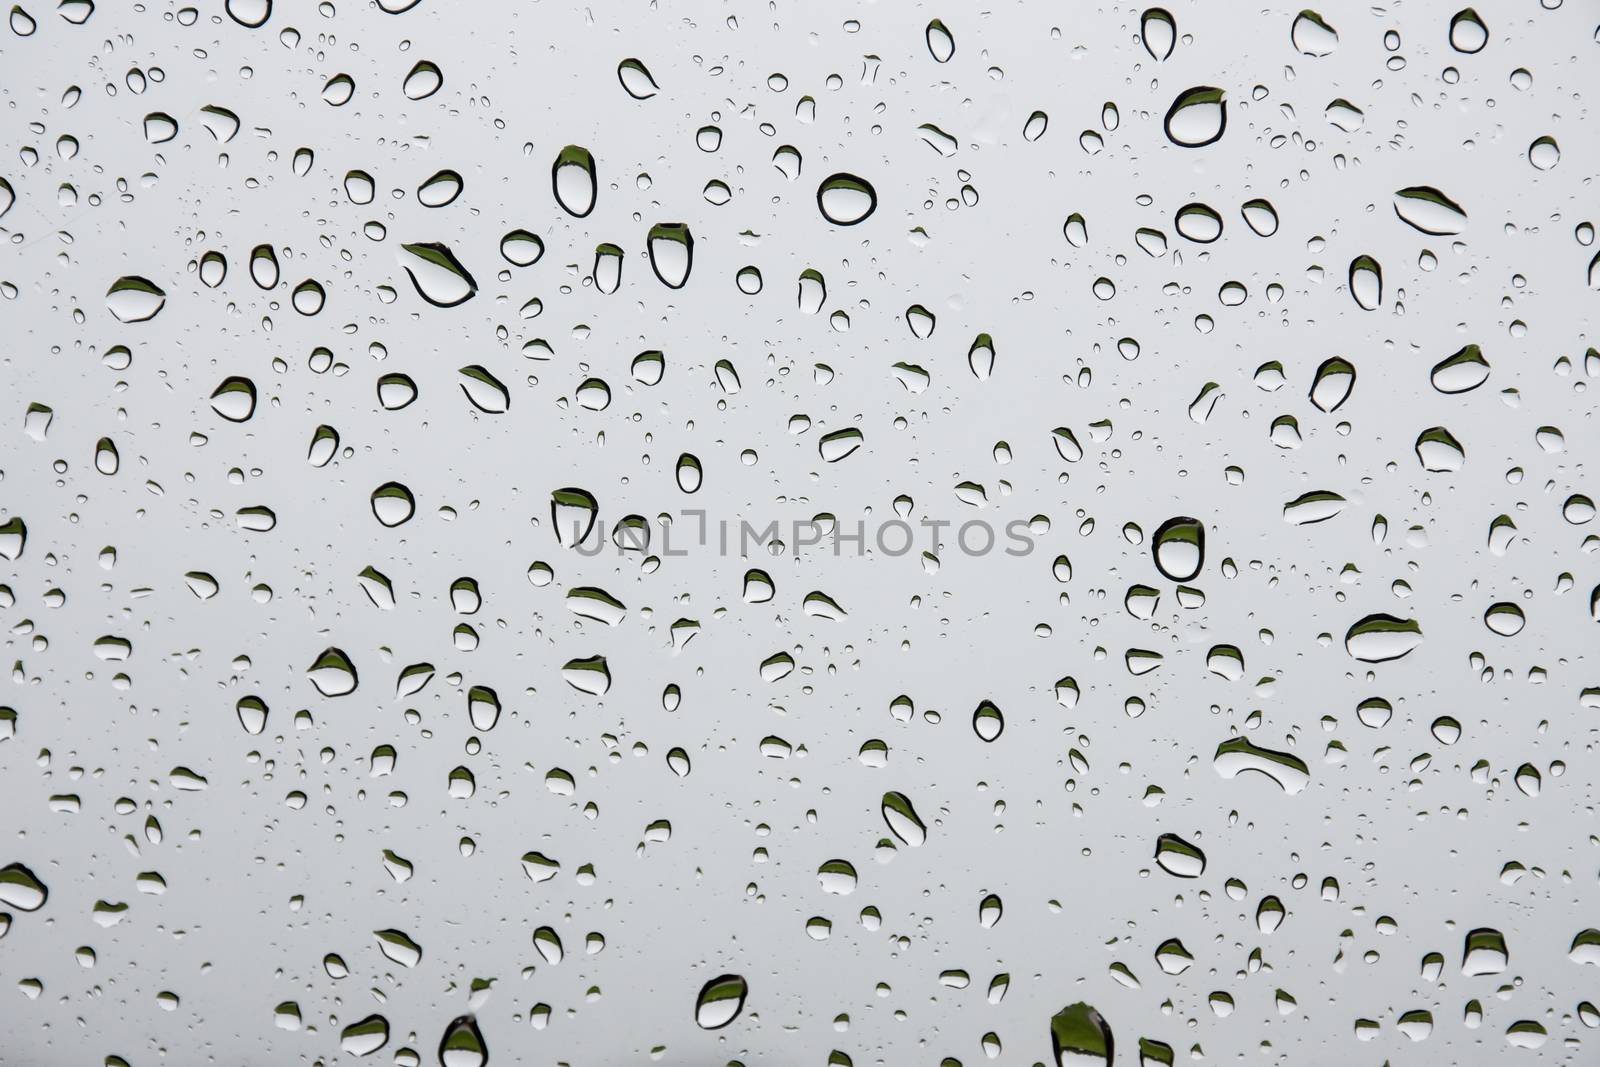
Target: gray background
{"type": "Point", "coordinates": [1407, 837]}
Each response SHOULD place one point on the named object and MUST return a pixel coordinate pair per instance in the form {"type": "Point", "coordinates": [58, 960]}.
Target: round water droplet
{"type": "Point", "coordinates": [846, 200]}
{"type": "Point", "coordinates": [1197, 117]}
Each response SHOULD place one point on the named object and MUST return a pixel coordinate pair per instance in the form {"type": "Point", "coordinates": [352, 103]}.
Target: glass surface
{"type": "Point", "coordinates": [798, 534]}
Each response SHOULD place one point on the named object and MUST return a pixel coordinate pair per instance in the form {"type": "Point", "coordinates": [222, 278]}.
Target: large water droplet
{"type": "Point", "coordinates": [1081, 1037]}
{"type": "Point", "coordinates": [1198, 117]}
{"type": "Point", "coordinates": [845, 199]}
{"type": "Point", "coordinates": [135, 299]}
{"type": "Point", "coordinates": [720, 1001]}
{"type": "Point", "coordinates": [575, 181]}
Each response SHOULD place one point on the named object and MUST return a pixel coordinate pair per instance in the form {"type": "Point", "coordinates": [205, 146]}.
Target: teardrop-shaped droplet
{"type": "Point", "coordinates": [462, 1044]}
{"type": "Point", "coordinates": [1198, 117]}
{"type": "Point", "coordinates": [1312, 36]}
{"type": "Point", "coordinates": [636, 79]}
{"type": "Point", "coordinates": [941, 42]}
{"type": "Point", "coordinates": [1468, 34]}
{"type": "Point", "coordinates": [980, 357]}
{"type": "Point", "coordinates": [486, 392]}
{"type": "Point", "coordinates": [1461, 372]}
{"type": "Point", "coordinates": [1331, 385]}
{"type": "Point", "coordinates": [902, 819]}
{"type": "Point", "coordinates": [1158, 32]}
{"type": "Point", "coordinates": [1260, 216]}
{"type": "Point", "coordinates": [988, 722]}
{"type": "Point", "coordinates": [1427, 210]}
{"type": "Point", "coordinates": [234, 399]}
{"type": "Point", "coordinates": [846, 200]}
{"type": "Point", "coordinates": [333, 674]}
{"type": "Point", "coordinates": [720, 1001]}
{"type": "Point", "coordinates": [437, 275]}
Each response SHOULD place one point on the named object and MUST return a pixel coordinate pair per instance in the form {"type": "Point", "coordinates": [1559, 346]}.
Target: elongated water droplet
{"type": "Point", "coordinates": [671, 249]}
{"type": "Point", "coordinates": [636, 79]}
{"type": "Point", "coordinates": [366, 1036]}
{"type": "Point", "coordinates": [902, 819]}
{"type": "Point", "coordinates": [1238, 755]}
{"type": "Point", "coordinates": [1427, 210]}
{"type": "Point", "coordinates": [575, 181]}
{"type": "Point", "coordinates": [941, 42]}
{"type": "Point", "coordinates": [1179, 858]}
{"type": "Point", "coordinates": [720, 1001]}
{"type": "Point", "coordinates": [135, 299]}
{"type": "Point", "coordinates": [437, 275]}
{"type": "Point", "coordinates": [20, 888]}
{"type": "Point", "coordinates": [1379, 638]}
{"type": "Point", "coordinates": [1158, 32]}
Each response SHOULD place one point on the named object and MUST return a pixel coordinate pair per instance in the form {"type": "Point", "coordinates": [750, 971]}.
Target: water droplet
{"type": "Point", "coordinates": [135, 299]}
{"type": "Point", "coordinates": [846, 200]}
{"type": "Point", "coordinates": [1197, 117]}
{"type": "Point", "coordinates": [720, 1001]}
